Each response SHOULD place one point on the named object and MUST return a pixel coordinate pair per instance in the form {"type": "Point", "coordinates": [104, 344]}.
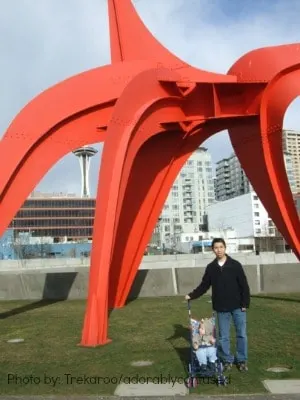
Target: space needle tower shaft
{"type": "Point", "coordinates": [84, 155]}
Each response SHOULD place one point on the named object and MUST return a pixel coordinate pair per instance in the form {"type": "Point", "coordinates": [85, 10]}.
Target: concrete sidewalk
{"type": "Point", "coordinates": [264, 396]}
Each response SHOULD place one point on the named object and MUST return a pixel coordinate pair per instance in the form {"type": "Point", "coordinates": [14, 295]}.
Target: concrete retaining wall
{"type": "Point", "coordinates": [150, 262]}
{"type": "Point", "coordinates": [278, 278]}
{"type": "Point", "coordinates": [72, 282]}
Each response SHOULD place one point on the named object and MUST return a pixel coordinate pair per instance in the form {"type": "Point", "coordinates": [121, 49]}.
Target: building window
{"type": "Point", "coordinates": [256, 214]}
{"type": "Point", "coordinates": [245, 247]}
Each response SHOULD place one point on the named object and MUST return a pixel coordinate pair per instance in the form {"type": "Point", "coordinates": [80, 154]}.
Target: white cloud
{"type": "Point", "coordinates": [47, 41]}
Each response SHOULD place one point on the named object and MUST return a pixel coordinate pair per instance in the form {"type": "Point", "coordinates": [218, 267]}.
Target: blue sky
{"type": "Point", "coordinates": [46, 41]}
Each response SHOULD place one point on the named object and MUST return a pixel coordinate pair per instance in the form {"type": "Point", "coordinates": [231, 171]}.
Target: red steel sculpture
{"type": "Point", "coordinates": [152, 111]}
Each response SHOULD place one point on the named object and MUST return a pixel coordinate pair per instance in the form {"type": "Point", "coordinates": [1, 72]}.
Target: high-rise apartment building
{"type": "Point", "coordinates": [291, 145]}
{"type": "Point", "coordinates": [231, 180]}
{"type": "Point", "coordinates": [191, 193]}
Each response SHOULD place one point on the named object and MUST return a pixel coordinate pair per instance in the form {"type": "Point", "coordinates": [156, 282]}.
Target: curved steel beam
{"type": "Point", "coordinates": [62, 141]}
{"type": "Point", "coordinates": [280, 92]}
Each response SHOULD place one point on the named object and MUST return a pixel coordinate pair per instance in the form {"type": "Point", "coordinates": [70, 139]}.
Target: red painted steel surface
{"type": "Point", "coordinates": [152, 111]}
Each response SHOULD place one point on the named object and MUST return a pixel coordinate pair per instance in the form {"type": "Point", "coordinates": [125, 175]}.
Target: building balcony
{"type": "Point", "coordinates": [188, 220]}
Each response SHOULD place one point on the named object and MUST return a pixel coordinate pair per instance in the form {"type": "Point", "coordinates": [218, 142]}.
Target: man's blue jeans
{"type": "Point", "coordinates": [240, 324]}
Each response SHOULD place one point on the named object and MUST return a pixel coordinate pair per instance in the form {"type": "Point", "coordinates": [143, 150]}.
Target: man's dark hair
{"type": "Point", "coordinates": [218, 240]}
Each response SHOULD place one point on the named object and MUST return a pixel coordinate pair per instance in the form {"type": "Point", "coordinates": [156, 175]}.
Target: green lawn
{"type": "Point", "coordinates": [146, 329]}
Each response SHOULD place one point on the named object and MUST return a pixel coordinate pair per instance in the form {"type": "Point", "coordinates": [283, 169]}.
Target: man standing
{"type": "Point", "coordinates": [230, 299]}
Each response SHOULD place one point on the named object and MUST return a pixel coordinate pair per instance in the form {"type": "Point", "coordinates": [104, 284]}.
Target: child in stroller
{"type": "Point", "coordinates": [204, 362]}
{"type": "Point", "coordinates": [204, 344]}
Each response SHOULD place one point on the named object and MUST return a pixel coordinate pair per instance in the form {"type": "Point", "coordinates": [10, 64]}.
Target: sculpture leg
{"type": "Point", "coordinates": [146, 191]}
{"type": "Point", "coordinates": [277, 96]}
{"type": "Point", "coordinates": [131, 108]}
{"type": "Point", "coordinates": [248, 146]}
{"type": "Point", "coordinates": [259, 148]}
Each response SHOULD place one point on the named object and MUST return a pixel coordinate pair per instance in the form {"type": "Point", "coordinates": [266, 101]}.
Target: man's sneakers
{"type": "Point", "coordinates": [227, 366]}
{"type": "Point", "coordinates": [242, 366]}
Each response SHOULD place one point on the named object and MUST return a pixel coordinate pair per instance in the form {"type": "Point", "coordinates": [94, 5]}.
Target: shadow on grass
{"type": "Point", "coordinates": [57, 287]}
{"type": "Point", "coordinates": [270, 297]}
{"type": "Point", "coordinates": [184, 353]}
{"type": "Point", "coordinates": [27, 307]}
{"type": "Point", "coordinates": [137, 286]}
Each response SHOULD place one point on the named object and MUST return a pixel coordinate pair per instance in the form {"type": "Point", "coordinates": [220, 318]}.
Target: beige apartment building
{"type": "Point", "coordinates": [291, 145]}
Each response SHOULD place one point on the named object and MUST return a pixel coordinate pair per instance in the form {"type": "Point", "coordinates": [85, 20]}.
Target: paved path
{"type": "Point", "coordinates": [264, 396]}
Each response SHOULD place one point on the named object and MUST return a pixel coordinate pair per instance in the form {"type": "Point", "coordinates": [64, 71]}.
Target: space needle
{"type": "Point", "coordinates": [84, 155]}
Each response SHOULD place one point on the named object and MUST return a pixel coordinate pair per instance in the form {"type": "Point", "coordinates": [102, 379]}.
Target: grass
{"type": "Point", "coordinates": [146, 329]}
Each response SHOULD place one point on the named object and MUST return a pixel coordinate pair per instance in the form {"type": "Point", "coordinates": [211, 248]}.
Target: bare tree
{"type": "Point", "coordinates": [25, 250]}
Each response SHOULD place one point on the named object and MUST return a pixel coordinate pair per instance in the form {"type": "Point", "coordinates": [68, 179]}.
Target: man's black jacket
{"type": "Point", "coordinates": [230, 289]}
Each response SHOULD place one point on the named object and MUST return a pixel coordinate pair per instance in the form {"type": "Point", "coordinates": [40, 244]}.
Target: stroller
{"type": "Point", "coordinates": [214, 371]}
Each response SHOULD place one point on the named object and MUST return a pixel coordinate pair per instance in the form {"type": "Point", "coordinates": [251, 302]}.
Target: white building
{"type": "Point", "coordinates": [191, 193]}
{"type": "Point", "coordinates": [244, 214]}
{"type": "Point", "coordinates": [201, 242]}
